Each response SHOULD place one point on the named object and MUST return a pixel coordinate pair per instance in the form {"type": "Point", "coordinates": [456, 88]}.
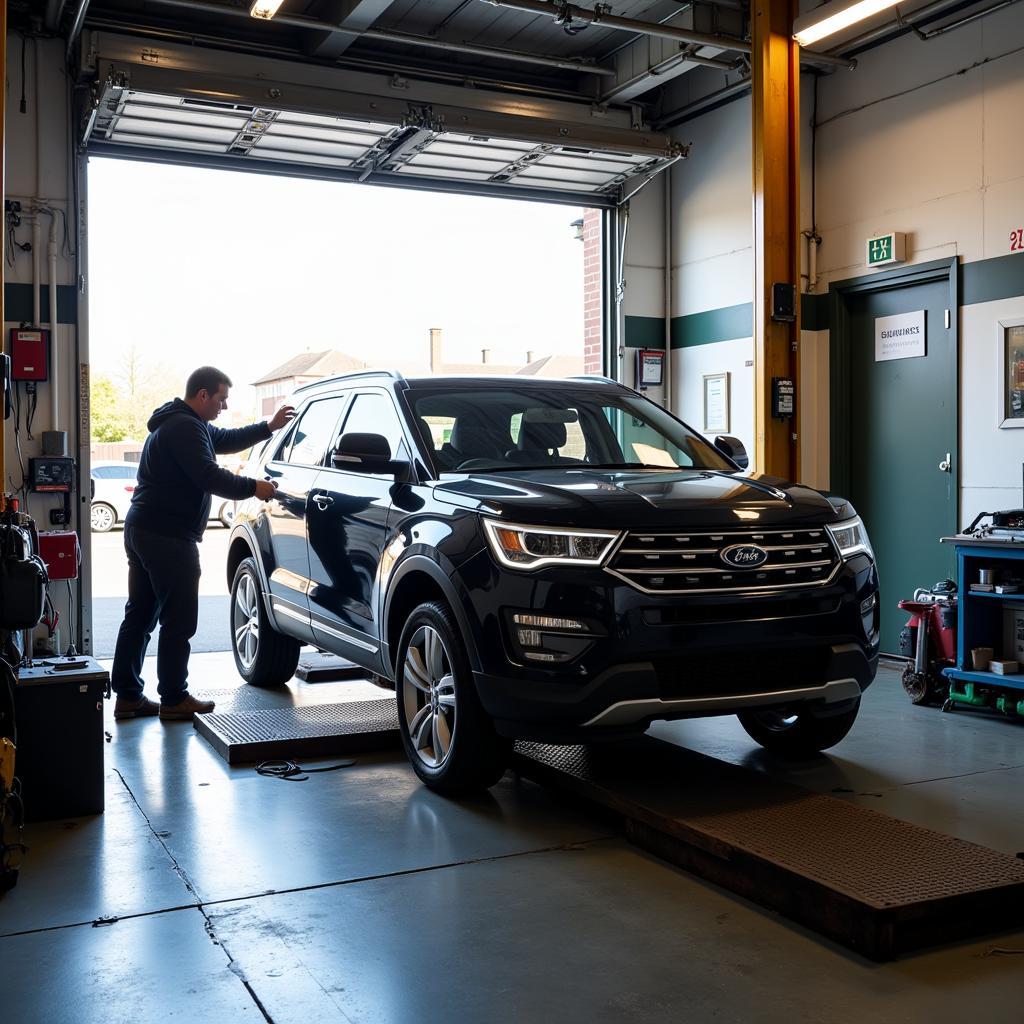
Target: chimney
{"type": "Point", "coordinates": [529, 356]}
{"type": "Point", "coordinates": [485, 355]}
{"type": "Point", "coordinates": [435, 350]}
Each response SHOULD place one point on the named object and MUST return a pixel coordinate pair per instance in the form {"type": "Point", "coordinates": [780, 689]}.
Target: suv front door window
{"type": "Point", "coordinates": [348, 520]}
{"type": "Point", "coordinates": [294, 469]}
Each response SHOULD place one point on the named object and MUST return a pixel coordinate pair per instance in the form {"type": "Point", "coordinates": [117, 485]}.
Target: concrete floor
{"type": "Point", "coordinates": [359, 896]}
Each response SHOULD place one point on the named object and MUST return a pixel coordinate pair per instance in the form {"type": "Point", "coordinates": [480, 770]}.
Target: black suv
{"type": "Point", "coordinates": [559, 560]}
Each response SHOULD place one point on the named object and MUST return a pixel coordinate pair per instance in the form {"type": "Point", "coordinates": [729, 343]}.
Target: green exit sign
{"type": "Point", "coordinates": [887, 248]}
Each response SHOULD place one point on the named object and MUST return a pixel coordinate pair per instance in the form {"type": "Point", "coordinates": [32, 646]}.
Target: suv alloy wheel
{"type": "Point", "coordinates": [447, 735]}
{"type": "Point", "coordinates": [263, 656]}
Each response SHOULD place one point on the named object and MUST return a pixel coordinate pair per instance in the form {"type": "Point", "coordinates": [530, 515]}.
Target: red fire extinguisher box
{"type": "Point", "coordinates": [59, 550]}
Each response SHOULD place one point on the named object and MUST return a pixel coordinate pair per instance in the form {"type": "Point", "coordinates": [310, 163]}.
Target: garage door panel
{"type": "Point", "coordinates": [160, 142]}
{"type": "Point", "coordinates": [174, 132]}
{"type": "Point", "coordinates": [432, 159]}
{"type": "Point", "coordinates": [310, 147]}
{"type": "Point", "coordinates": [284, 156]}
{"type": "Point", "coordinates": [416, 145]}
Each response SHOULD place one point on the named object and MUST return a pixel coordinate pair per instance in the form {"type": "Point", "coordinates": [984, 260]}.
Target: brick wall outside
{"type": "Point", "coordinates": [592, 342]}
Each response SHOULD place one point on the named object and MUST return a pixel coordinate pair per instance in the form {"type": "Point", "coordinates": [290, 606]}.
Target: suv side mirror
{"type": "Point", "coordinates": [732, 448]}
{"type": "Point", "coordinates": [364, 453]}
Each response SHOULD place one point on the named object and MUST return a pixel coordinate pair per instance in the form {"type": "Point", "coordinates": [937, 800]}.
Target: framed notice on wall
{"type": "Point", "coordinates": [716, 403]}
{"type": "Point", "coordinates": [1011, 373]}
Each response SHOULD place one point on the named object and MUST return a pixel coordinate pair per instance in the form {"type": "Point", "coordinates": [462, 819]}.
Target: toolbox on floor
{"type": "Point", "coordinates": [59, 714]}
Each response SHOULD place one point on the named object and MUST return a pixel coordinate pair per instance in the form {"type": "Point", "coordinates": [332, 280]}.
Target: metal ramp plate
{"type": "Point", "coordinates": [880, 886]}
{"type": "Point", "coordinates": [326, 668]}
{"type": "Point", "coordinates": [320, 730]}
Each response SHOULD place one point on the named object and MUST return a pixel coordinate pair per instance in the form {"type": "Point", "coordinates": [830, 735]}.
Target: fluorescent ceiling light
{"type": "Point", "coordinates": [264, 9]}
{"type": "Point", "coordinates": [833, 17]}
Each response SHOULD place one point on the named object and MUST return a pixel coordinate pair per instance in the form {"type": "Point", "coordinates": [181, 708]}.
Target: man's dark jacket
{"type": "Point", "coordinates": [178, 471]}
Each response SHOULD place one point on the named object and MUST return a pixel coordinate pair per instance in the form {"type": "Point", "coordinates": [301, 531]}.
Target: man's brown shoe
{"type": "Point", "coordinates": [141, 708]}
{"type": "Point", "coordinates": [184, 711]}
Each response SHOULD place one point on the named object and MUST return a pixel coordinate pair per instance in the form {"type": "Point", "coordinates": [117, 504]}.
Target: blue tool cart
{"type": "Point", "coordinates": [988, 619]}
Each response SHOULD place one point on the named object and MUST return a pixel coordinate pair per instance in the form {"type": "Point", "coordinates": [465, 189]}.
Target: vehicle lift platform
{"type": "Point", "coordinates": [880, 886]}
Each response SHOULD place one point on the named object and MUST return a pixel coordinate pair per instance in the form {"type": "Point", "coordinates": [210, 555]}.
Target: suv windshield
{"type": "Point", "coordinates": [511, 428]}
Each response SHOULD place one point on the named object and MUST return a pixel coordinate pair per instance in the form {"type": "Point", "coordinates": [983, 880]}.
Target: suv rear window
{"type": "Point", "coordinates": [532, 428]}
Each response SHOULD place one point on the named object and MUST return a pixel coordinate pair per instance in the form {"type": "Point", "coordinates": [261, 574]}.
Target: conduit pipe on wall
{"type": "Point", "coordinates": [299, 21]}
{"type": "Point", "coordinates": [55, 365]}
{"type": "Point", "coordinates": [37, 272]}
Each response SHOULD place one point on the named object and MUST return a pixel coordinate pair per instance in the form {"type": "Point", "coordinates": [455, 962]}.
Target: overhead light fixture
{"type": "Point", "coordinates": [264, 9]}
{"type": "Point", "coordinates": [834, 17]}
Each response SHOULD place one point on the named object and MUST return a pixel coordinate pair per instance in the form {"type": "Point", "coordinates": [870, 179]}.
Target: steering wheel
{"type": "Point", "coordinates": [470, 464]}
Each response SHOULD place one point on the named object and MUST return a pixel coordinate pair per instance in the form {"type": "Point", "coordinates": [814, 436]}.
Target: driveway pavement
{"type": "Point", "coordinates": [110, 591]}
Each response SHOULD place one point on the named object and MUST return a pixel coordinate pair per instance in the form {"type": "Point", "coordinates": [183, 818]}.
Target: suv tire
{"type": "Point", "coordinates": [448, 737]}
{"type": "Point", "coordinates": [263, 656]}
{"type": "Point", "coordinates": [802, 734]}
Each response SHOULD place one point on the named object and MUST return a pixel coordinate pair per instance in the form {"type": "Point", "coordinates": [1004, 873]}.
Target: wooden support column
{"type": "Point", "coordinates": [776, 113]}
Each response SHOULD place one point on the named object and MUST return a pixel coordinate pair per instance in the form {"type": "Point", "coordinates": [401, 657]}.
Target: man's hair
{"type": "Point", "coordinates": [206, 378]}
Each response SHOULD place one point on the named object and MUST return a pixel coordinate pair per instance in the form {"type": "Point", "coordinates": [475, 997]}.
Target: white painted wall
{"type": "Point", "coordinates": [712, 259]}
{"type": "Point", "coordinates": [731, 357]}
{"type": "Point", "coordinates": [924, 138]}
{"type": "Point", "coordinates": [991, 458]}
{"type": "Point", "coordinates": [37, 172]}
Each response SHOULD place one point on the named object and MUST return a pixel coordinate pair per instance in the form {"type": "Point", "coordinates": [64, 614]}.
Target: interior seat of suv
{"type": "Point", "coordinates": [475, 435]}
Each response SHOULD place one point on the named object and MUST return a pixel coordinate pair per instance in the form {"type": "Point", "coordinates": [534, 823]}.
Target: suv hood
{"type": "Point", "coordinates": [645, 499]}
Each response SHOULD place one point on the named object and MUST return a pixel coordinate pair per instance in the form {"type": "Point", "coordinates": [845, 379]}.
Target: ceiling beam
{"type": "Point", "coordinates": [357, 15]}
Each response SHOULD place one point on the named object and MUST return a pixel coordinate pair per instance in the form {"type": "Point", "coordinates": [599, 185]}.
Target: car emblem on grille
{"type": "Point", "coordinates": [744, 556]}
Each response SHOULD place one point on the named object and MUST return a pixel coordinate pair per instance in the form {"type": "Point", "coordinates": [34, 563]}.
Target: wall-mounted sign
{"type": "Point", "coordinates": [900, 337]}
{"type": "Point", "coordinates": [1011, 373]}
{"type": "Point", "coordinates": [650, 364]}
{"type": "Point", "coordinates": [1017, 240]}
{"type": "Point", "coordinates": [888, 248]}
{"type": "Point", "coordinates": [783, 397]}
{"type": "Point", "coordinates": [716, 403]}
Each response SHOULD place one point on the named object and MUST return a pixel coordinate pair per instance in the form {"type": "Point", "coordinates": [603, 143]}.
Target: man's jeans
{"type": "Point", "coordinates": [163, 585]}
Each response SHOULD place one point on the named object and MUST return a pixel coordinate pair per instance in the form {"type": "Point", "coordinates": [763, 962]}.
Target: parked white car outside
{"type": "Point", "coordinates": [113, 484]}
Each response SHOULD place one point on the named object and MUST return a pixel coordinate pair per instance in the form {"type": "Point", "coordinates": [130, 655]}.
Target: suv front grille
{"type": "Point", "coordinates": [690, 562]}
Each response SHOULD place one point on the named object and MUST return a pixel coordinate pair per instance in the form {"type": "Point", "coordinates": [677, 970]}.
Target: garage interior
{"type": "Point", "coordinates": [876, 172]}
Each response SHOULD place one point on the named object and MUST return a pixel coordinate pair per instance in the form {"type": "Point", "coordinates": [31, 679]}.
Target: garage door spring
{"type": "Point", "coordinates": [293, 772]}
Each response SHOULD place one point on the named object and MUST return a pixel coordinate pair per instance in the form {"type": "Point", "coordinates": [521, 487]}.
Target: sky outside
{"type": "Point", "coordinates": [197, 266]}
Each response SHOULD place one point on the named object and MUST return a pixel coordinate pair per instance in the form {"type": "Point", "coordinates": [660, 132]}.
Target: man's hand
{"type": "Point", "coordinates": [283, 415]}
{"type": "Point", "coordinates": [266, 490]}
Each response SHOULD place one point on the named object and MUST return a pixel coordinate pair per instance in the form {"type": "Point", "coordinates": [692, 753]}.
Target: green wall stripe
{"type": "Point", "coordinates": [1001, 277]}
{"type": "Point", "coordinates": [18, 304]}
{"type": "Point", "coordinates": [713, 325]}
{"type": "Point", "coordinates": [645, 332]}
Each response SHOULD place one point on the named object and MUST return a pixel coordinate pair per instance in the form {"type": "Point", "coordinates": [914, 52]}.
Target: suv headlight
{"type": "Point", "coordinates": [529, 547]}
{"type": "Point", "coordinates": [851, 538]}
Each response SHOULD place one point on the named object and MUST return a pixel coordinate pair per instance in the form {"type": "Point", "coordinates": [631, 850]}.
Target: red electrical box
{"type": "Point", "coordinates": [59, 550]}
{"type": "Point", "coordinates": [30, 351]}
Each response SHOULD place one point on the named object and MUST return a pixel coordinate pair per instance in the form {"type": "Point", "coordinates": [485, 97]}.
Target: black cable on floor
{"type": "Point", "coordinates": [293, 772]}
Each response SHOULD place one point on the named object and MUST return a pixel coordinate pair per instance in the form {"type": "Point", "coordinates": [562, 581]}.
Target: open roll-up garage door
{"type": "Point", "coordinates": [158, 101]}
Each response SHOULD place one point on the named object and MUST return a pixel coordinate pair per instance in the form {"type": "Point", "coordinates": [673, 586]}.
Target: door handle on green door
{"type": "Point", "coordinates": [946, 464]}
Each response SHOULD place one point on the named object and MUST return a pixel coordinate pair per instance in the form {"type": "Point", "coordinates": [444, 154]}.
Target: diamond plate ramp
{"type": "Point", "coordinates": [880, 886]}
{"type": "Point", "coordinates": [320, 730]}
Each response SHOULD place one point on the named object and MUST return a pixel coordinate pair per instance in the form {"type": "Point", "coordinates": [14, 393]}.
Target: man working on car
{"type": "Point", "coordinates": [170, 507]}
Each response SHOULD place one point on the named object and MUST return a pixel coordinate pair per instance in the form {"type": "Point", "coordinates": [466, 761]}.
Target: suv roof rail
{"type": "Point", "coordinates": [594, 376]}
{"type": "Point", "coordinates": [390, 374]}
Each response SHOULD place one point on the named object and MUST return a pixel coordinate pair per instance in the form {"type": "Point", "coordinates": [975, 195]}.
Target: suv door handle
{"type": "Point", "coordinates": [323, 501]}
{"type": "Point", "coordinates": [946, 464]}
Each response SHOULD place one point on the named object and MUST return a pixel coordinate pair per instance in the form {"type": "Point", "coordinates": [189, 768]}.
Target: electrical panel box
{"type": "Point", "coordinates": [30, 353]}
{"type": "Point", "coordinates": [783, 397]}
{"type": "Point", "coordinates": [55, 475]}
{"type": "Point", "coordinates": [59, 550]}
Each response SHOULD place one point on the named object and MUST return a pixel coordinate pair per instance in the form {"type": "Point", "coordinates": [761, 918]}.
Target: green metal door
{"type": "Point", "coordinates": [903, 460]}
